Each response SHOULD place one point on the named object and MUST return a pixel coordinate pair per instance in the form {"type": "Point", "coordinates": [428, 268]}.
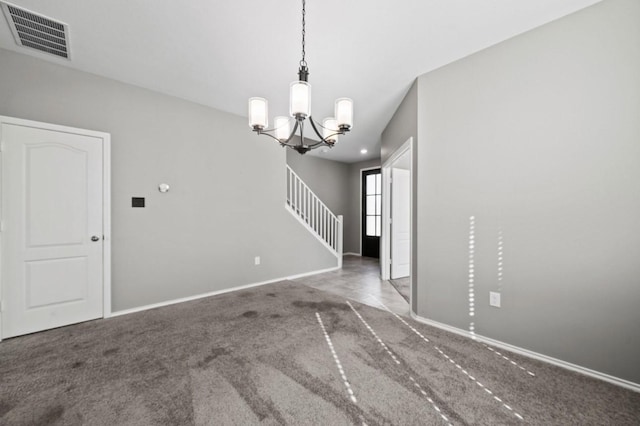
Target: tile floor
{"type": "Point", "coordinates": [403, 285]}
{"type": "Point", "coordinates": [359, 280]}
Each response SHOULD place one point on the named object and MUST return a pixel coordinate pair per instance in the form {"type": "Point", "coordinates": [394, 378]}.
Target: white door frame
{"type": "Point", "coordinates": [385, 239]}
{"type": "Point", "coordinates": [401, 216]}
{"type": "Point", "coordinates": [106, 201]}
{"type": "Point", "coordinates": [360, 203]}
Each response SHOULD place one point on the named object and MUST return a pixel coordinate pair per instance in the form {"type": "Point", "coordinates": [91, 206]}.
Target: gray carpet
{"type": "Point", "coordinates": [261, 356]}
{"type": "Point", "coordinates": [403, 286]}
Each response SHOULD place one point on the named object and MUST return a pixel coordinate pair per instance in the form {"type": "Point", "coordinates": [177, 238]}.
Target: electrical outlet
{"type": "Point", "coordinates": [494, 299]}
{"type": "Point", "coordinates": [257, 260]}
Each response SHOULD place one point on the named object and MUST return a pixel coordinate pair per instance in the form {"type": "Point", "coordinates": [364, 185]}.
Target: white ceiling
{"type": "Point", "coordinates": [220, 53]}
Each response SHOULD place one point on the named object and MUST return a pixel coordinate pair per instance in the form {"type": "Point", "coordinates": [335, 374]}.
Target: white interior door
{"type": "Point", "coordinates": [400, 223]}
{"type": "Point", "coordinates": [52, 241]}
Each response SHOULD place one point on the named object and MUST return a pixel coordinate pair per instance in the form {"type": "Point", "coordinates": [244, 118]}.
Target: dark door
{"type": "Point", "coordinates": [371, 212]}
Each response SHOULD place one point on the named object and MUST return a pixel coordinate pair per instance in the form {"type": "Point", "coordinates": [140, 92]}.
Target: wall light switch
{"type": "Point", "coordinates": [257, 260]}
{"type": "Point", "coordinates": [494, 299]}
{"type": "Point", "coordinates": [137, 201]}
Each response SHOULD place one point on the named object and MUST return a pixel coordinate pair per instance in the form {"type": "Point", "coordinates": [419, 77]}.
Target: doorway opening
{"type": "Point", "coordinates": [371, 212]}
{"type": "Point", "coordinates": [397, 225]}
{"type": "Point", "coordinates": [56, 248]}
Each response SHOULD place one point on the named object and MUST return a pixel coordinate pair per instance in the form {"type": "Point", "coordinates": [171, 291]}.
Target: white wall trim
{"type": "Point", "coordinates": [351, 254]}
{"type": "Point", "coordinates": [106, 225]}
{"type": "Point", "coordinates": [385, 239]}
{"type": "Point", "coordinates": [217, 292]}
{"type": "Point", "coordinates": [531, 354]}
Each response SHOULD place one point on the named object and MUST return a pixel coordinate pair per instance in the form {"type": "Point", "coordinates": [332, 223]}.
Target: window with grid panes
{"type": "Point", "coordinates": [373, 205]}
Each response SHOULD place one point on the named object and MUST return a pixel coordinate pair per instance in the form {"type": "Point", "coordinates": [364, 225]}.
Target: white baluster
{"type": "Point", "coordinates": [305, 190]}
{"type": "Point", "coordinates": [340, 240]}
{"type": "Point", "coordinates": [289, 185]}
{"type": "Point", "coordinates": [308, 205]}
{"type": "Point", "coordinates": [323, 216]}
{"type": "Point", "coordinates": [333, 232]}
{"type": "Point", "coordinates": [313, 213]}
{"type": "Point", "coordinates": [299, 196]}
{"type": "Point", "coordinates": [320, 220]}
{"type": "Point", "coordinates": [327, 224]}
{"type": "Point", "coordinates": [310, 196]}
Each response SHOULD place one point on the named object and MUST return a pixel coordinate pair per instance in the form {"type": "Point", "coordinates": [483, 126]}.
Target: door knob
{"type": "Point", "coordinates": [95, 238]}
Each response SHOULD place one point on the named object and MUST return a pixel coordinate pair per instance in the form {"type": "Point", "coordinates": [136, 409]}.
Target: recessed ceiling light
{"type": "Point", "coordinates": [363, 151]}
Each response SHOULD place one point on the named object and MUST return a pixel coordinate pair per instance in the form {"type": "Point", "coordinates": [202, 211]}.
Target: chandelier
{"type": "Point", "coordinates": [299, 111]}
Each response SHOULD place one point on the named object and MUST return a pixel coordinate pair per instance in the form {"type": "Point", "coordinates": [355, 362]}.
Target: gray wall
{"type": "Point", "coordinates": [325, 178]}
{"type": "Point", "coordinates": [402, 126]}
{"type": "Point", "coordinates": [338, 186]}
{"type": "Point", "coordinates": [538, 138]}
{"type": "Point", "coordinates": [226, 203]}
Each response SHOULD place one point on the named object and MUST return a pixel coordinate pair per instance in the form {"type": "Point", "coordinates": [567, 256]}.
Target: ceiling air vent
{"type": "Point", "coordinates": [36, 31]}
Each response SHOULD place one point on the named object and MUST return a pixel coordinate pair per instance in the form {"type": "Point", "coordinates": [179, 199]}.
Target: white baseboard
{"type": "Point", "coordinates": [351, 254]}
{"type": "Point", "coordinates": [217, 292]}
{"type": "Point", "coordinates": [307, 274]}
{"type": "Point", "coordinates": [535, 355]}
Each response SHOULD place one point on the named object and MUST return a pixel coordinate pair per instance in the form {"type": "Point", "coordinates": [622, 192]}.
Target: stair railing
{"type": "Point", "coordinates": [314, 214]}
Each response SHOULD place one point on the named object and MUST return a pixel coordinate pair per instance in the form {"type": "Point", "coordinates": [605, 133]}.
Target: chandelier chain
{"type": "Point", "coordinates": [300, 109]}
{"type": "Point", "coordinates": [303, 62]}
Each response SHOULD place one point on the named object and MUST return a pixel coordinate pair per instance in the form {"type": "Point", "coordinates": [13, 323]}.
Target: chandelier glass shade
{"type": "Point", "coordinates": [299, 112]}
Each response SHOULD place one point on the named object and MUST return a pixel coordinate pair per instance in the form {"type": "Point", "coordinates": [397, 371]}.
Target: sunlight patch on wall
{"type": "Point", "coordinates": [472, 230]}
{"type": "Point", "coordinates": [500, 258]}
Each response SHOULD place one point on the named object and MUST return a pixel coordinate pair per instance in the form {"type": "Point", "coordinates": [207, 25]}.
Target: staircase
{"type": "Point", "coordinates": [314, 215]}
